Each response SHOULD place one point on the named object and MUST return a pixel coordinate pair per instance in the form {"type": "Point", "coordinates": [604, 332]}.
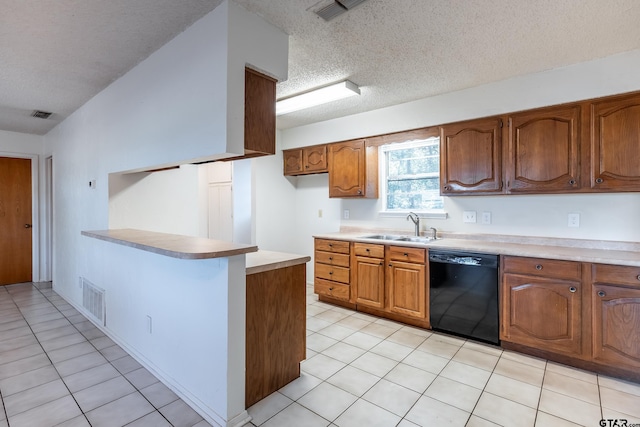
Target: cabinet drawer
{"type": "Point", "coordinates": [332, 289]}
{"type": "Point", "coordinates": [368, 250]}
{"type": "Point", "coordinates": [332, 258]}
{"type": "Point", "coordinates": [616, 274]}
{"type": "Point", "coordinates": [338, 246]}
{"type": "Point", "coordinates": [330, 272]}
{"type": "Point", "coordinates": [401, 253]}
{"type": "Point", "coordinates": [543, 267]}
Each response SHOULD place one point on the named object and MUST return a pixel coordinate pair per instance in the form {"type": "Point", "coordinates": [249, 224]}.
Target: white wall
{"type": "Point", "coordinates": [287, 208]}
{"type": "Point", "coordinates": [13, 144]}
{"type": "Point", "coordinates": [166, 201]}
{"type": "Point", "coordinates": [183, 103]}
{"type": "Point", "coordinates": [602, 216]}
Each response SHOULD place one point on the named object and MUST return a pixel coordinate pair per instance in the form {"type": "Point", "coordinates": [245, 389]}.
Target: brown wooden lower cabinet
{"type": "Point", "coordinates": [275, 330]}
{"type": "Point", "coordinates": [581, 314]}
{"type": "Point", "coordinates": [542, 312]}
{"type": "Point", "coordinates": [615, 297]}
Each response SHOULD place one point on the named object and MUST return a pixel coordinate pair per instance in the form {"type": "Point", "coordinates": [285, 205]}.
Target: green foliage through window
{"type": "Point", "coordinates": [412, 176]}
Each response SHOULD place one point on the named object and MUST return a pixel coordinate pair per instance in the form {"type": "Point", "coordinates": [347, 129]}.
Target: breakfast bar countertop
{"type": "Point", "coordinates": [172, 245]}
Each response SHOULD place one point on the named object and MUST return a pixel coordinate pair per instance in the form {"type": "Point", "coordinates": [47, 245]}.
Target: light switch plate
{"type": "Point", "coordinates": [573, 220]}
{"type": "Point", "coordinates": [486, 218]}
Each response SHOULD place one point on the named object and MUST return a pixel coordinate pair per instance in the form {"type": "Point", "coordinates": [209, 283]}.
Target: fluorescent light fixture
{"type": "Point", "coordinates": [315, 97]}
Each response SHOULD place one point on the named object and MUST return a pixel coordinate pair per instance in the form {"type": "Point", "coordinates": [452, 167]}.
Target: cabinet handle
{"type": "Point", "coordinates": [599, 180]}
{"type": "Point", "coordinates": [306, 166]}
{"type": "Point", "coordinates": [447, 188]}
{"type": "Point", "coordinates": [359, 191]}
{"type": "Point", "coordinates": [330, 245]}
{"type": "Point", "coordinates": [367, 250]}
{"type": "Point", "coordinates": [406, 254]}
{"type": "Point", "coordinates": [330, 273]}
{"type": "Point", "coordinates": [330, 258]}
{"type": "Point", "coordinates": [390, 265]}
{"type": "Point", "coordinates": [572, 182]}
{"type": "Point", "coordinates": [539, 267]}
{"type": "Point", "coordinates": [638, 277]}
{"type": "Point", "coordinates": [601, 293]}
{"type": "Point", "coordinates": [572, 289]}
{"type": "Point", "coordinates": [381, 264]}
{"type": "Point", "coordinates": [331, 288]}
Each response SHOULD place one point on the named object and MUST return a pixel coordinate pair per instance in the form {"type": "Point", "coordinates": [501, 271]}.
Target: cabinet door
{"type": "Point", "coordinates": [542, 313]}
{"type": "Point", "coordinates": [369, 273]}
{"type": "Point", "coordinates": [407, 289]}
{"type": "Point", "coordinates": [315, 159]}
{"type": "Point", "coordinates": [615, 145]}
{"type": "Point", "coordinates": [292, 160]}
{"type": "Point", "coordinates": [544, 150]}
{"type": "Point", "coordinates": [470, 157]}
{"type": "Point", "coordinates": [347, 169]}
{"type": "Point", "coordinates": [616, 322]}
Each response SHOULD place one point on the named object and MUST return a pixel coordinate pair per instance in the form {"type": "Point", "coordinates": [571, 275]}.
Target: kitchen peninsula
{"type": "Point", "coordinates": [193, 291]}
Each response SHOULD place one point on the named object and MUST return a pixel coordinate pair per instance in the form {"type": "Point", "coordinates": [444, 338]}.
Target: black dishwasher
{"type": "Point", "coordinates": [463, 296]}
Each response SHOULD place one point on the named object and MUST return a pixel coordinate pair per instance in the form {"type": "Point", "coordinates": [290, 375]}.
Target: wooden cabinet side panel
{"type": "Point", "coordinates": [275, 330]}
{"type": "Point", "coordinates": [259, 113]}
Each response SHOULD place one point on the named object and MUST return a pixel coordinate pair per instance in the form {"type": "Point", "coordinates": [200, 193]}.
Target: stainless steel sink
{"type": "Point", "coordinates": [415, 239]}
{"type": "Point", "coordinates": [397, 238]}
{"type": "Point", "coordinates": [383, 237]}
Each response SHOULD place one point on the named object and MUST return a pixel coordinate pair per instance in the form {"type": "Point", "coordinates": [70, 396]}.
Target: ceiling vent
{"type": "Point", "coordinates": [41, 114]}
{"type": "Point", "coordinates": [336, 8]}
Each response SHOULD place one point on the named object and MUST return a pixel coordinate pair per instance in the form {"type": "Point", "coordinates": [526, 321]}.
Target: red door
{"type": "Point", "coordinates": [15, 221]}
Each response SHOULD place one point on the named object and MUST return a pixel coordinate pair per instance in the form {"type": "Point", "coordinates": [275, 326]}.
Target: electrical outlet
{"type": "Point", "coordinates": [319, 213]}
{"type": "Point", "coordinates": [486, 218]}
{"type": "Point", "coordinates": [573, 220]}
{"type": "Point", "coordinates": [469, 216]}
{"type": "Point", "coordinates": [345, 214]}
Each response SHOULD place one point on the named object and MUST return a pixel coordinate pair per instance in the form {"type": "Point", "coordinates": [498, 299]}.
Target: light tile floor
{"type": "Point", "coordinates": [365, 371]}
{"type": "Point", "coordinates": [58, 369]}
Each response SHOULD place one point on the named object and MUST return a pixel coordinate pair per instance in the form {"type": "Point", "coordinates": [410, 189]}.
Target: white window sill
{"type": "Point", "coordinates": [425, 214]}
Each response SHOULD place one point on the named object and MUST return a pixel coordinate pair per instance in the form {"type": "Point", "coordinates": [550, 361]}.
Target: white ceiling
{"type": "Point", "coordinates": [55, 55]}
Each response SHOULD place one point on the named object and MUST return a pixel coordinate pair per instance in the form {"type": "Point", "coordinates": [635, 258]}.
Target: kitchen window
{"type": "Point", "coordinates": [411, 177]}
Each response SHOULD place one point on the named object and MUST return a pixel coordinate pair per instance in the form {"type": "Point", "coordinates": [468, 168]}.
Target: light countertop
{"type": "Point", "coordinates": [172, 245]}
{"type": "Point", "coordinates": [261, 261]}
{"type": "Point", "coordinates": [562, 249]}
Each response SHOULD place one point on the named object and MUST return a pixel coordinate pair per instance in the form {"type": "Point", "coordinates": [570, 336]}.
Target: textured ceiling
{"type": "Point", "coordinates": [55, 55]}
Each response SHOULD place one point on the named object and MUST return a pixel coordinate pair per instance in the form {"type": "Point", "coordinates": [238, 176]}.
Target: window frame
{"type": "Point", "coordinates": [383, 173]}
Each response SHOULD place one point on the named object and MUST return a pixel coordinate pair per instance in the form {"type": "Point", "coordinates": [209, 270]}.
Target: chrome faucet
{"type": "Point", "coordinates": [434, 232]}
{"type": "Point", "coordinates": [416, 220]}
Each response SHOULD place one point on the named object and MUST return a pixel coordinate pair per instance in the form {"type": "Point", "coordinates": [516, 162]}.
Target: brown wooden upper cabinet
{"type": "Point", "coordinates": [307, 160]}
{"type": "Point", "coordinates": [353, 170]}
{"type": "Point", "coordinates": [544, 150]}
{"type": "Point", "coordinates": [471, 157]}
{"type": "Point", "coordinates": [615, 144]}
{"type": "Point", "coordinates": [259, 114]}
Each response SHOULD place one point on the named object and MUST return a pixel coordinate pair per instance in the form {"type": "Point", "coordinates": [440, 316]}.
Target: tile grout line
{"type": "Point", "coordinates": [58, 372]}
